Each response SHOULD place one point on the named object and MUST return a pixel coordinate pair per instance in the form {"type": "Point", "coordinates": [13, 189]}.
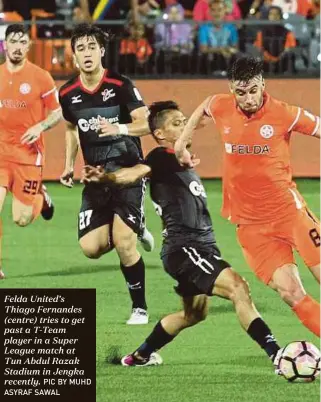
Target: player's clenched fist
{"type": "Point", "coordinates": [67, 178]}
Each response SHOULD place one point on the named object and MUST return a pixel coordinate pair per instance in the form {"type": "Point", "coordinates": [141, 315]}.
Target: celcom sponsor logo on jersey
{"type": "Point", "coordinates": [197, 189]}
{"type": "Point", "coordinates": [247, 149]}
{"type": "Point", "coordinates": [93, 123]}
{"type": "Point", "coordinates": [13, 104]}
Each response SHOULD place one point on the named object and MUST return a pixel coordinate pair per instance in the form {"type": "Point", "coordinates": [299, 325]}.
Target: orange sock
{"type": "Point", "coordinates": [308, 312]}
{"type": "Point", "coordinates": [37, 206]}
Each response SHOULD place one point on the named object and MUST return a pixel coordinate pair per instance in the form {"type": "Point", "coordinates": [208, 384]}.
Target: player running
{"type": "Point", "coordinates": [28, 107]}
{"type": "Point", "coordinates": [109, 218]}
{"type": "Point", "coordinates": [190, 253]}
{"type": "Point", "coordinates": [259, 195]}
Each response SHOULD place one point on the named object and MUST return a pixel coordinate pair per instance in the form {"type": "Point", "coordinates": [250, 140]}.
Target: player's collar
{"type": "Point", "coordinates": [26, 64]}
{"type": "Point", "coordinates": [97, 86]}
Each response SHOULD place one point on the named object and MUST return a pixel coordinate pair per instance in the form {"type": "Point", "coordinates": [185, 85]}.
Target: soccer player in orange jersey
{"type": "Point", "coordinates": [259, 195]}
{"type": "Point", "coordinates": [28, 107]}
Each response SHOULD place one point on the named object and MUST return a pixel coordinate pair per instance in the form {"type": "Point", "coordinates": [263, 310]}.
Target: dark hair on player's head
{"type": "Point", "coordinates": [16, 29]}
{"type": "Point", "coordinates": [245, 69]}
{"type": "Point", "coordinates": [157, 112]}
{"type": "Point", "coordinates": [88, 30]}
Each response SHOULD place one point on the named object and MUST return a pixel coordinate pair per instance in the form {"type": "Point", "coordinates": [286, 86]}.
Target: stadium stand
{"type": "Point", "coordinates": [167, 38]}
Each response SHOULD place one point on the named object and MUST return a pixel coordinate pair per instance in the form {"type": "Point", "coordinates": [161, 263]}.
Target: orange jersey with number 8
{"type": "Point", "coordinates": [257, 176]}
{"type": "Point", "coordinates": [26, 97]}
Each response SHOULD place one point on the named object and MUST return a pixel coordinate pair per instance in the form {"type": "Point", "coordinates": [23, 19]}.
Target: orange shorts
{"type": "Point", "coordinates": [268, 246]}
{"type": "Point", "coordinates": [23, 181]}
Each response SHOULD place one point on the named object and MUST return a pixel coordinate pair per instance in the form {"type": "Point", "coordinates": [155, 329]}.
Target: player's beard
{"type": "Point", "coordinates": [16, 59]}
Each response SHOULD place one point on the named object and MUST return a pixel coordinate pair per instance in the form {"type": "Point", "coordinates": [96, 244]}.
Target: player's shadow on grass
{"type": "Point", "coordinates": [78, 270]}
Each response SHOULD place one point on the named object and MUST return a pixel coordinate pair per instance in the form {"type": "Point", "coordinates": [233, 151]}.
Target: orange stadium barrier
{"type": "Point", "coordinates": [207, 144]}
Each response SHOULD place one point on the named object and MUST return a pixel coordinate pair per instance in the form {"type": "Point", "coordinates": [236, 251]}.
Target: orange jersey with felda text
{"type": "Point", "coordinates": [257, 176]}
{"type": "Point", "coordinates": [26, 97]}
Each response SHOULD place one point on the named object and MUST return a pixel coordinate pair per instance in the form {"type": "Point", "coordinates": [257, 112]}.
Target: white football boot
{"type": "Point", "coordinates": [138, 316]}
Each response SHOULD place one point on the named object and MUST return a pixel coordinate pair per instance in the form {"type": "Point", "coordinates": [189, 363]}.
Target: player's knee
{"type": "Point", "coordinates": [93, 251]}
{"type": "Point", "coordinates": [239, 289]}
{"type": "Point", "coordinates": [195, 318]}
{"type": "Point", "coordinates": [291, 294]}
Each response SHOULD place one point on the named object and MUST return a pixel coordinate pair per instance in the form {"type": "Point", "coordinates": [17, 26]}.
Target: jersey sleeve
{"type": "Point", "coordinates": [130, 96]}
{"type": "Point", "coordinates": [302, 121]}
{"type": "Point", "coordinates": [162, 161]}
{"type": "Point", "coordinates": [49, 94]}
{"type": "Point", "coordinates": [65, 109]}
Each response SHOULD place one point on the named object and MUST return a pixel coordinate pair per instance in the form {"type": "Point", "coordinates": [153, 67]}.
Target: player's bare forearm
{"type": "Point", "coordinates": [33, 133]}
{"type": "Point", "coordinates": [72, 146]}
{"type": "Point", "coordinates": [127, 176]}
{"type": "Point", "coordinates": [138, 128]}
{"type": "Point", "coordinates": [193, 123]}
{"type": "Point", "coordinates": [52, 120]}
{"type": "Point", "coordinates": [121, 177]}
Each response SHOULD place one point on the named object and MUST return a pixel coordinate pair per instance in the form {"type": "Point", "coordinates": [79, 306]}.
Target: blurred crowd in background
{"type": "Point", "coordinates": [178, 36]}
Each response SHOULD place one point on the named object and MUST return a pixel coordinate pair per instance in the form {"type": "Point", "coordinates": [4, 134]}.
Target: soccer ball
{"type": "Point", "coordinates": [300, 362]}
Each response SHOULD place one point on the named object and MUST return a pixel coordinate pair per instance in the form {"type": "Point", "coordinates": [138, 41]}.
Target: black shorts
{"type": "Point", "coordinates": [100, 203]}
{"type": "Point", "coordinates": [195, 269]}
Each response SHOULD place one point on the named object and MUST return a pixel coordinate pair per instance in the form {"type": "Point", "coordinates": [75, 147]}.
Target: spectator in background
{"type": "Point", "coordinates": [201, 11]}
{"type": "Point", "coordinates": [233, 11]}
{"type": "Point", "coordinates": [143, 11]}
{"type": "Point", "coordinates": [218, 41]}
{"type": "Point", "coordinates": [173, 41]}
{"type": "Point", "coordinates": [301, 7]}
{"type": "Point", "coordinates": [172, 36]}
{"type": "Point", "coordinates": [276, 42]}
{"type": "Point", "coordinates": [22, 7]}
{"type": "Point", "coordinates": [135, 50]}
{"type": "Point", "coordinates": [76, 10]}
{"type": "Point", "coordinates": [315, 9]}
{"type": "Point", "coordinates": [260, 9]}
{"type": "Point", "coordinates": [187, 5]}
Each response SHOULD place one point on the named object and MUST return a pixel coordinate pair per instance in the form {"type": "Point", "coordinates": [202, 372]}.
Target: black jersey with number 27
{"type": "Point", "coordinates": [180, 199]}
{"type": "Point", "coordinates": [114, 98]}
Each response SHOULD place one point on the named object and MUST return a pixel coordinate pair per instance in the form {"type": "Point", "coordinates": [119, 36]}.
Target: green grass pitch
{"type": "Point", "coordinates": [214, 361]}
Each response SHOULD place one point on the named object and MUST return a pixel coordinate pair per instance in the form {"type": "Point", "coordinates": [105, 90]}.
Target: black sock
{"type": "Point", "coordinates": [156, 340]}
{"type": "Point", "coordinates": [262, 334]}
{"type": "Point", "coordinates": [135, 279]}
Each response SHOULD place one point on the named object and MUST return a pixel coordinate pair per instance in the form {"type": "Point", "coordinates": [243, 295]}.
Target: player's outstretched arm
{"type": "Point", "coordinates": [303, 122]}
{"type": "Point", "coordinates": [121, 177]}
{"type": "Point", "coordinates": [138, 128]}
{"type": "Point", "coordinates": [72, 146]}
{"type": "Point", "coordinates": [34, 132]}
{"type": "Point", "coordinates": [194, 122]}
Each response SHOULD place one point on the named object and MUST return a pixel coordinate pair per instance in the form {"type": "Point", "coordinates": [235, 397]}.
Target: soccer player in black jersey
{"type": "Point", "coordinates": [109, 218]}
{"type": "Point", "coordinates": [190, 253]}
